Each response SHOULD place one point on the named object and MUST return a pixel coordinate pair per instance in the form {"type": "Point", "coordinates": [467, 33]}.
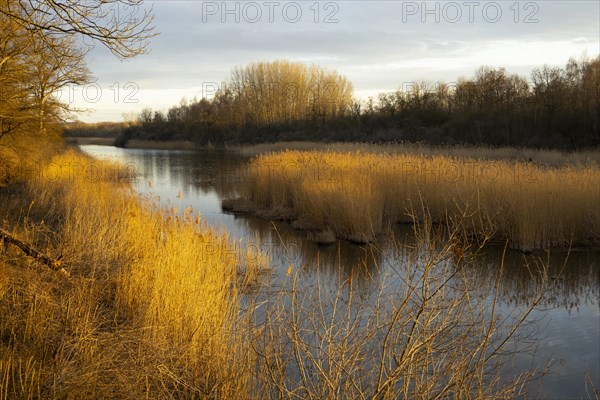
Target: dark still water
{"type": "Point", "coordinates": [562, 332]}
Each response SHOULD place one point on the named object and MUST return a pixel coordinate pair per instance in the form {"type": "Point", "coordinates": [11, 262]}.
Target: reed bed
{"type": "Point", "coordinates": [150, 310]}
{"type": "Point", "coordinates": [360, 194]}
{"type": "Point", "coordinates": [549, 157]}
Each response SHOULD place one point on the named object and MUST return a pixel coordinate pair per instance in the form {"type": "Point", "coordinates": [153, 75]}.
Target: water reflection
{"type": "Point", "coordinates": [572, 279]}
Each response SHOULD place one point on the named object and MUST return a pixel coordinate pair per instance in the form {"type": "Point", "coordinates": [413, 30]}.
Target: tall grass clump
{"type": "Point", "coordinates": [150, 309]}
{"type": "Point", "coordinates": [359, 194]}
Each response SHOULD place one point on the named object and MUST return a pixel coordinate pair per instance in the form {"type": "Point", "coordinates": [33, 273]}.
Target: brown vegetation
{"type": "Point", "coordinates": [151, 304]}
{"type": "Point", "coordinates": [109, 130]}
{"type": "Point", "coordinates": [359, 194]}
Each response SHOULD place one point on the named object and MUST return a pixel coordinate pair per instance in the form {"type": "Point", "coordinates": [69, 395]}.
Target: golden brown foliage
{"type": "Point", "coordinates": [361, 193]}
{"type": "Point", "coordinates": [284, 92]}
{"type": "Point", "coordinates": [153, 308]}
{"type": "Point", "coordinates": [149, 309]}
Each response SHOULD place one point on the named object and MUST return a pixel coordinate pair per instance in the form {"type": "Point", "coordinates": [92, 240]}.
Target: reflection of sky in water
{"type": "Point", "coordinates": [568, 318]}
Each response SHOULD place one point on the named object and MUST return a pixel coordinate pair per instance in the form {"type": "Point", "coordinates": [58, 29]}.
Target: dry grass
{"type": "Point", "coordinates": [359, 194]}
{"type": "Point", "coordinates": [151, 307]}
{"type": "Point", "coordinates": [23, 156]}
{"type": "Point", "coordinates": [548, 157]}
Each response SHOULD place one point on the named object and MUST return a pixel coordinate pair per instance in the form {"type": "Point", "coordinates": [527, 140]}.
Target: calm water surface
{"type": "Point", "coordinates": [565, 326]}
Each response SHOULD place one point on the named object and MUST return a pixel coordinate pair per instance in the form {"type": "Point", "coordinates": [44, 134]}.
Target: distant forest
{"type": "Point", "coordinates": [281, 101]}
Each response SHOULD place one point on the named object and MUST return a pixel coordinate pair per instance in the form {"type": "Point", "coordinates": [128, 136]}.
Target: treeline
{"type": "Point", "coordinates": [259, 102]}
{"type": "Point", "coordinates": [94, 129]}
{"type": "Point", "coordinates": [557, 107]}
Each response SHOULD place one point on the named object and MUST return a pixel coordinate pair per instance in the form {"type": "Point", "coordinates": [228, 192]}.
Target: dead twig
{"type": "Point", "coordinates": [55, 264]}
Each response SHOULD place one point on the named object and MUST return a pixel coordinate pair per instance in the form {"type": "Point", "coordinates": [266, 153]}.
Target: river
{"type": "Point", "coordinates": [564, 328]}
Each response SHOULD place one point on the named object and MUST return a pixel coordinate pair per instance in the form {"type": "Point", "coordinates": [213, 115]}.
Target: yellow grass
{"type": "Point", "coordinates": [359, 194]}
{"type": "Point", "coordinates": [151, 308]}
{"type": "Point", "coordinates": [549, 157]}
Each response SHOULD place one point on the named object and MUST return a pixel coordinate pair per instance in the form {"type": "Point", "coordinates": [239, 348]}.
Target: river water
{"type": "Point", "coordinates": [564, 327]}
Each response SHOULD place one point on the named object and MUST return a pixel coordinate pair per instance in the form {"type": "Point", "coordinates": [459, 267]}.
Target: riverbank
{"type": "Point", "coordinates": [136, 317]}
{"type": "Point", "coordinates": [135, 144]}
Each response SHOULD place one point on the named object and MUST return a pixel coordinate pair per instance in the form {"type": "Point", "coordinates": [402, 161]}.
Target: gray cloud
{"type": "Point", "coordinates": [377, 44]}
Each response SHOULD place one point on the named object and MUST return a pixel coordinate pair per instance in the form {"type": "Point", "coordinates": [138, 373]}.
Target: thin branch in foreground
{"type": "Point", "coordinates": [52, 263]}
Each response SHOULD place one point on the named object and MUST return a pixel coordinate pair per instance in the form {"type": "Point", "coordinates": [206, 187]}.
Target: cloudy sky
{"type": "Point", "coordinates": [379, 45]}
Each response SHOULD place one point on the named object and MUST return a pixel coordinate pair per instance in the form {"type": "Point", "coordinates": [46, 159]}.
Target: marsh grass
{"type": "Point", "coordinates": [547, 157]}
{"type": "Point", "coordinates": [360, 194]}
{"type": "Point", "coordinates": [151, 305]}
{"type": "Point", "coordinates": [22, 157]}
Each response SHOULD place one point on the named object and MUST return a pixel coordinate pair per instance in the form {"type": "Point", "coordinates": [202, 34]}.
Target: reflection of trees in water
{"type": "Point", "coordinates": [340, 261]}
{"type": "Point", "coordinates": [572, 280]}
{"type": "Point", "coordinates": [198, 171]}
{"type": "Point", "coordinates": [575, 284]}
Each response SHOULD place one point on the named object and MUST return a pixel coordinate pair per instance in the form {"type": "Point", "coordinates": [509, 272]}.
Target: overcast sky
{"type": "Point", "coordinates": [379, 45]}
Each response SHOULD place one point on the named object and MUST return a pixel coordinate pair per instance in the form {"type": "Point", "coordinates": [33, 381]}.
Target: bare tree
{"type": "Point", "coordinates": [122, 26]}
{"type": "Point", "coordinates": [15, 110]}
{"type": "Point", "coordinates": [54, 63]}
{"type": "Point", "coordinates": [40, 52]}
{"type": "Point", "coordinates": [281, 91]}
